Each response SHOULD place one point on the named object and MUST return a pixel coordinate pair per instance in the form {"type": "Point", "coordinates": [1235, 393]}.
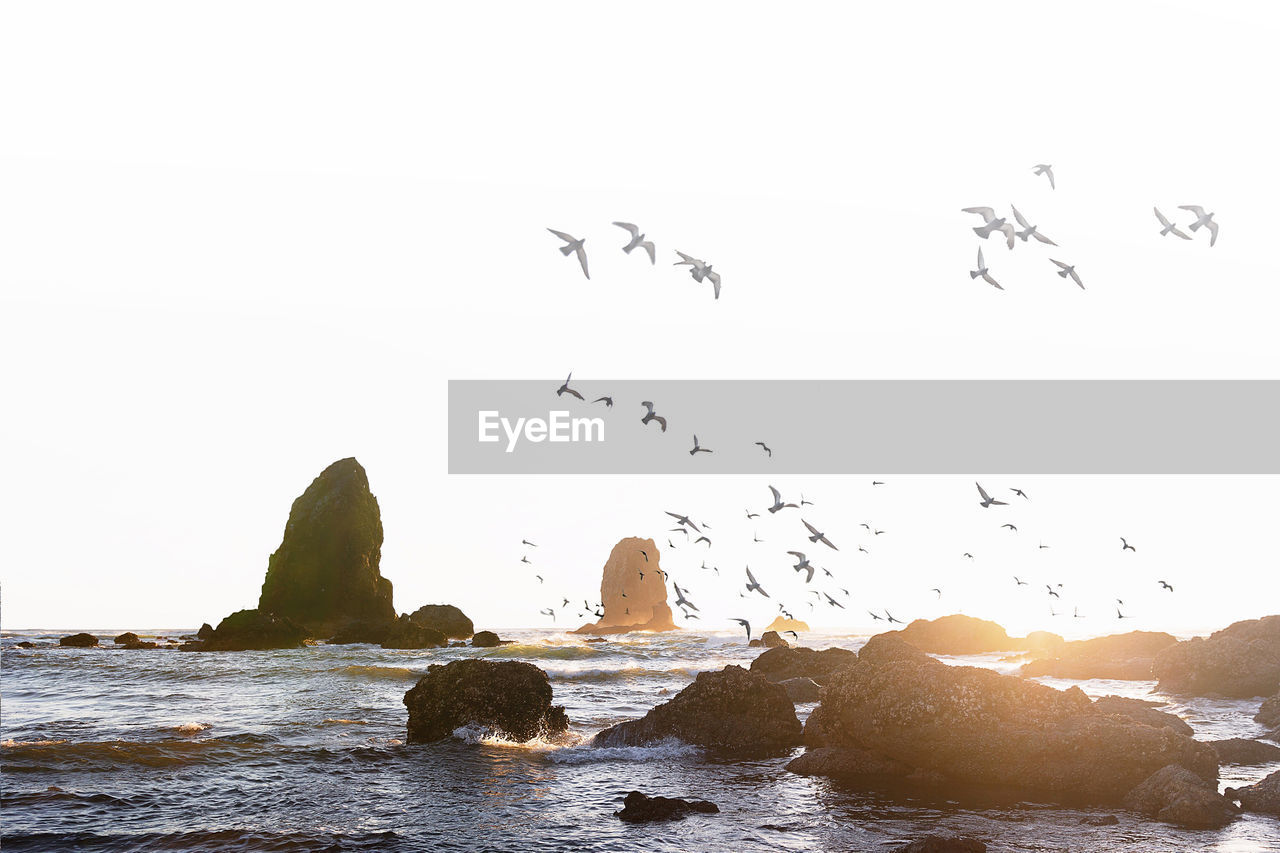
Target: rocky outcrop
{"type": "Point", "coordinates": [488, 640]}
{"type": "Point", "coordinates": [637, 808]}
{"type": "Point", "coordinates": [1142, 711]}
{"type": "Point", "coordinates": [802, 689]}
{"type": "Point", "coordinates": [633, 591]}
{"type": "Point", "coordinates": [126, 638]}
{"type": "Point", "coordinates": [943, 844]}
{"type": "Point", "coordinates": [445, 618]}
{"type": "Point", "coordinates": [771, 640]}
{"type": "Point", "coordinates": [205, 632]}
{"type": "Point", "coordinates": [405, 633]}
{"type": "Point", "coordinates": [784, 664]}
{"type": "Point", "coordinates": [783, 625]}
{"type": "Point", "coordinates": [1241, 750]}
{"type": "Point", "coordinates": [325, 572]}
{"type": "Point", "coordinates": [732, 709]}
{"type": "Point", "coordinates": [1269, 713]}
{"type": "Point", "coordinates": [1124, 657]}
{"type": "Point", "coordinates": [850, 763]}
{"type": "Point", "coordinates": [1043, 643]}
{"type": "Point", "coordinates": [1176, 795]}
{"type": "Point", "coordinates": [252, 630]}
{"type": "Point", "coordinates": [975, 726]}
{"type": "Point", "coordinates": [1262, 797]}
{"type": "Point", "coordinates": [510, 698]}
{"type": "Point", "coordinates": [957, 635]}
{"type": "Point", "coordinates": [362, 631]}
{"type": "Point", "coordinates": [79, 641]}
{"type": "Point", "coordinates": [1240, 661]}
{"type": "Point", "coordinates": [26, 644]}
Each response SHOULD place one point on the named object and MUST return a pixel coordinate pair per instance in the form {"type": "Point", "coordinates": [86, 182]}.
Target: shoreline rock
{"type": "Point", "coordinates": [786, 663]}
{"type": "Point", "coordinates": [1269, 712]}
{"type": "Point", "coordinates": [632, 591]}
{"type": "Point", "coordinates": [638, 808]}
{"type": "Point", "coordinates": [252, 630]}
{"type": "Point", "coordinates": [957, 634]}
{"type": "Point", "coordinates": [1240, 661]}
{"type": "Point", "coordinates": [446, 619]}
{"type": "Point", "coordinates": [512, 698]}
{"type": "Point", "coordinates": [488, 640]}
{"type": "Point", "coordinates": [78, 641]}
{"type": "Point", "coordinates": [1122, 657]}
{"type": "Point", "coordinates": [404, 633]}
{"type": "Point", "coordinates": [943, 844]}
{"type": "Point", "coordinates": [1175, 795]}
{"type": "Point", "coordinates": [1239, 750]}
{"type": "Point", "coordinates": [1262, 797]}
{"type": "Point", "coordinates": [1142, 712]}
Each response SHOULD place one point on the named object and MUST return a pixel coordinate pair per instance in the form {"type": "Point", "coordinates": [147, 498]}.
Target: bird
{"type": "Point", "coordinates": [765, 447]}
{"type": "Point", "coordinates": [1166, 585]}
{"type": "Point", "coordinates": [994, 223]}
{"type": "Point", "coordinates": [1075, 613]}
{"type": "Point", "coordinates": [1019, 581]}
{"type": "Point", "coordinates": [527, 542]}
{"type": "Point", "coordinates": [702, 539]}
{"type": "Point", "coordinates": [683, 530]}
{"type": "Point", "coordinates": [565, 389]}
{"type": "Point", "coordinates": [671, 544]}
{"type": "Point", "coordinates": [637, 240]}
{"type": "Point", "coordinates": [817, 536]}
{"type": "Point", "coordinates": [1019, 493]}
{"type": "Point", "coordinates": [804, 502]}
{"type": "Point", "coordinates": [777, 501]}
{"type": "Point", "coordinates": [608, 401]}
{"type": "Point", "coordinates": [1010, 526]}
{"type": "Point", "coordinates": [877, 482]}
{"type": "Point", "coordinates": [984, 272]}
{"type": "Point", "coordinates": [831, 602]}
{"type": "Point", "coordinates": [564, 602]}
{"type": "Point", "coordinates": [876, 616]}
{"type": "Point", "coordinates": [682, 520]}
{"type": "Point", "coordinates": [827, 572]}
{"type": "Point", "coordinates": [755, 584]}
{"type": "Point", "coordinates": [1125, 546]}
{"type": "Point", "coordinates": [792, 633]}
{"type": "Point", "coordinates": [525, 559]}
{"type": "Point", "coordinates": [755, 537]}
{"type": "Point", "coordinates": [549, 612]}
{"type": "Point", "coordinates": [662, 422]}
{"type": "Point", "coordinates": [1052, 591]}
{"type": "Point", "coordinates": [1069, 270]}
{"type": "Point", "coordinates": [876, 532]}
{"type": "Point", "coordinates": [1046, 170]}
{"type": "Point", "coordinates": [641, 574]}
{"type": "Point", "coordinates": [745, 624]}
{"type": "Point", "coordinates": [889, 617]}
{"type": "Point", "coordinates": [967, 555]}
{"type": "Point", "coordinates": [700, 270]}
{"type": "Point", "coordinates": [681, 601]}
{"type": "Point", "coordinates": [644, 554]}
{"type": "Point", "coordinates": [574, 245]}
{"type": "Point", "coordinates": [1203, 219]}
{"type": "Point", "coordinates": [863, 550]}
{"type": "Point", "coordinates": [751, 515]}
{"type": "Point", "coordinates": [698, 448]}
{"type": "Point", "coordinates": [802, 564]}
{"type": "Point", "coordinates": [1043, 547]}
{"type": "Point", "coordinates": [938, 591]}
{"type": "Point", "coordinates": [1120, 615]}
{"type": "Point", "coordinates": [1031, 230]}
{"type": "Point", "coordinates": [1169, 227]}
{"type": "Point", "coordinates": [539, 577]}
{"type": "Point", "coordinates": [987, 500]}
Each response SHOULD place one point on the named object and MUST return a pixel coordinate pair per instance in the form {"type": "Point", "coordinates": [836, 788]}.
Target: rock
{"type": "Point", "coordinates": [733, 709]}
{"type": "Point", "coordinates": [126, 637]}
{"type": "Point", "coordinates": [1143, 712]}
{"type": "Point", "coordinates": [247, 630]}
{"type": "Point", "coordinates": [1176, 795]}
{"type": "Point", "coordinates": [141, 644]}
{"type": "Point", "coordinates": [956, 635]}
{"type": "Point", "coordinates": [637, 808]}
{"type": "Point", "coordinates": [26, 644]}
{"type": "Point", "coordinates": [446, 618]}
{"type": "Point", "coordinates": [325, 572]}
{"type": "Point", "coordinates": [755, 644]}
{"type": "Point", "coordinates": [1100, 820]}
{"type": "Point", "coordinates": [1240, 750]}
{"type": "Point", "coordinates": [1043, 643]}
{"type": "Point", "coordinates": [1124, 657]}
{"type": "Point", "coordinates": [802, 689]}
{"type": "Point", "coordinates": [362, 631]}
{"type": "Point", "coordinates": [1240, 661]}
{"type": "Point", "coordinates": [943, 844]}
{"type": "Point", "coordinates": [844, 763]}
{"type": "Point", "coordinates": [79, 641]}
{"type": "Point", "coordinates": [488, 640]}
{"type": "Point", "coordinates": [597, 640]}
{"type": "Point", "coordinates": [1269, 713]}
{"type": "Point", "coordinates": [404, 633]}
{"type": "Point", "coordinates": [975, 726]}
{"type": "Point", "coordinates": [785, 663]}
{"type": "Point", "coordinates": [205, 632]}
{"type": "Point", "coordinates": [771, 640]}
{"type": "Point", "coordinates": [458, 644]}
{"type": "Point", "coordinates": [645, 607]}
{"type": "Point", "coordinates": [782, 625]}
{"type": "Point", "coordinates": [1262, 797]}
{"type": "Point", "coordinates": [512, 698]}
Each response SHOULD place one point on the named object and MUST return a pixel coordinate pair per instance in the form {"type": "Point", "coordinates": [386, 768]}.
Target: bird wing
{"type": "Point", "coordinates": [982, 492]}
{"type": "Point", "coordinates": [799, 555]}
{"type": "Point", "coordinates": [991, 281]}
{"type": "Point", "coordinates": [1052, 185]}
{"type": "Point", "coordinates": [1164, 222]}
{"type": "Point", "coordinates": [569, 390]}
{"type": "Point", "coordinates": [648, 247]}
{"type": "Point", "coordinates": [751, 577]}
{"type": "Point", "coordinates": [1194, 208]}
{"type": "Point", "coordinates": [686, 259]}
{"type": "Point", "coordinates": [987, 213]}
{"type": "Point", "coordinates": [635, 232]}
{"type": "Point", "coordinates": [980, 263]}
{"type": "Point", "coordinates": [648, 406]}
{"type": "Point", "coordinates": [662, 422]}
{"type": "Point", "coordinates": [777, 498]}
{"type": "Point", "coordinates": [809, 577]}
{"type": "Point", "coordinates": [1018, 216]}
{"type": "Point", "coordinates": [568, 238]}
{"type": "Point", "coordinates": [825, 541]}
{"type": "Point", "coordinates": [715, 276]}
{"type": "Point", "coordinates": [582, 259]}
{"type": "Point", "coordinates": [1213, 234]}
{"type": "Point", "coordinates": [1178, 232]}
{"type": "Point", "coordinates": [1061, 264]}
{"type": "Point", "coordinates": [1042, 238]}
{"type": "Point", "coordinates": [1008, 233]}
{"type": "Point", "coordinates": [1075, 276]}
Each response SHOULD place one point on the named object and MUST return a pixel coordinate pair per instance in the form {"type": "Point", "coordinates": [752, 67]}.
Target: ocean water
{"type": "Point", "coordinates": [303, 750]}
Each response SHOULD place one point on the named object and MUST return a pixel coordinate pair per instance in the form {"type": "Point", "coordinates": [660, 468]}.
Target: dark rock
{"type": "Point", "coordinates": [79, 641]}
{"type": "Point", "coordinates": [957, 635]}
{"type": "Point", "coordinates": [1124, 657]}
{"type": "Point", "coordinates": [785, 663]}
{"type": "Point", "coordinates": [404, 633]}
{"type": "Point", "coordinates": [1176, 795]}
{"type": "Point", "coordinates": [1240, 661]}
{"type": "Point", "coordinates": [488, 640]}
{"type": "Point", "coordinates": [733, 709]}
{"type": "Point", "coordinates": [943, 844]}
{"type": "Point", "coordinates": [458, 644]}
{"type": "Point", "coordinates": [637, 808]}
{"type": "Point", "coordinates": [802, 689]}
{"type": "Point", "coordinates": [325, 572]}
{"type": "Point", "coordinates": [247, 630]}
{"type": "Point", "coordinates": [1239, 750]}
{"type": "Point", "coordinates": [126, 637]}
{"type": "Point", "coordinates": [205, 632]}
{"type": "Point", "coordinates": [847, 762]}
{"type": "Point", "coordinates": [141, 644]}
{"type": "Point", "coordinates": [1262, 797]}
{"type": "Point", "coordinates": [1143, 712]}
{"type": "Point", "coordinates": [445, 618]}
{"type": "Point", "coordinates": [597, 640]}
{"type": "Point", "coordinates": [509, 697]}
{"type": "Point", "coordinates": [771, 640]}
{"type": "Point", "coordinates": [1269, 713]}
{"type": "Point", "coordinates": [1100, 820]}
{"type": "Point", "coordinates": [755, 644]}
{"type": "Point", "coordinates": [888, 648]}
{"type": "Point", "coordinates": [362, 631]}
{"type": "Point", "coordinates": [26, 644]}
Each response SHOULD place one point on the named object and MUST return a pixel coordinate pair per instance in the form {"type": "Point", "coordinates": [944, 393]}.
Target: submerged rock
{"type": "Point", "coordinates": [404, 633]}
{"type": "Point", "coordinates": [733, 709]}
{"type": "Point", "coordinates": [1143, 712]}
{"type": "Point", "coordinates": [957, 635]}
{"type": "Point", "coordinates": [1269, 713]}
{"type": "Point", "coordinates": [633, 591]}
{"type": "Point", "coordinates": [325, 572]}
{"type": "Point", "coordinates": [247, 630]}
{"type": "Point", "coordinates": [1124, 657]}
{"type": "Point", "coordinates": [79, 641]}
{"type": "Point", "coordinates": [943, 844]}
{"type": "Point", "coordinates": [126, 637]}
{"type": "Point", "coordinates": [1176, 795]}
{"type": "Point", "coordinates": [1239, 750]}
{"type": "Point", "coordinates": [26, 644]}
{"type": "Point", "coordinates": [489, 640]}
{"type": "Point", "coordinates": [785, 663]}
{"type": "Point", "coordinates": [446, 618]}
{"type": "Point", "coordinates": [1262, 797]}
{"type": "Point", "coordinates": [637, 808]}
{"type": "Point", "coordinates": [512, 698]}
{"type": "Point", "coordinates": [1240, 661]}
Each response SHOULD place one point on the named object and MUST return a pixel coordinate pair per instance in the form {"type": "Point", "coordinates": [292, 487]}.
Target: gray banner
{"type": "Point", "coordinates": [1120, 427]}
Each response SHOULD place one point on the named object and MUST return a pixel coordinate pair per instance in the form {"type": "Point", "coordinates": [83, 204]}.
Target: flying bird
{"type": "Point", "coordinates": [1052, 591]}
{"type": "Point", "coordinates": [698, 448]}
{"type": "Point", "coordinates": [765, 447]}
{"type": "Point", "coordinates": [608, 401]}
{"type": "Point", "coordinates": [984, 272]}
{"type": "Point", "coordinates": [700, 270]}
{"type": "Point", "coordinates": [574, 245]}
{"type": "Point", "coordinates": [1203, 219]}
{"type": "Point", "coordinates": [938, 591]}
{"type": "Point", "coordinates": [637, 240]}
{"type": "Point", "coordinates": [777, 501]}
{"type": "Point", "coordinates": [1020, 493]}
{"type": "Point", "coordinates": [1011, 527]}
{"type": "Point", "coordinates": [802, 564]}
{"type": "Point", "coordinates": [539, 577]}
{"type": "Point", "coordinates": [525, 559]}
{"type": "Point", "coordinates": [565, 389]}
{"type": "Point", "coordinates": [644, 554]}
{"type": "Point", "coordinates": [1046, 170]}
{"type": "Point", "coordinates": [832, 602]}
{"type": "Point", "coordinates": [1019, 581]}
{"type": "Point", "coordinates": [681, 601]}
{"type": "Point", "coordinates": [994, 223]}
{"type": "Point", "coordinates": [818, 536]}
{"type": "Point", "coordinates": [1166, 585]}
{"type": "Point", "coordinates": [987, 500]}
{"type": "Point", "coordinates": [1069, 270]}
{"type": "Point", "coordinates": [889, 617]}
{"type": "Point", "coordinates": [745, 624]}
{"type": "Point", "coordinates": [1125, 546]}
{"type": "Point", "coordinates": [751, 515]}
{"type": "Point", "coordinates": [1169, 227]}
{"type": "Point", "coordinates": [1030, 230]}
{"type": "Point", "coordinates": [804, 502]}
{"type": "Point", "coordinates": [702, 539]}
{"type": "Point", "coordinates": [754, 584]}
{"type": "Point", "coordinates": [877, 482]}
{"type": "Point", "coordinates": [967, 555]}
{"type": "Point", "coordinates": [877, 617]}
{"type": "Point", "coordinates": [662, 422]}
{"type": "Point", "coordinates": [527, 542]}
{"type": "Point", "coordinates": [1120, 615]}
{"type": "Point", "coordinates": [549, 612]}
{"type": "Point", "coordinates": [682, 520]}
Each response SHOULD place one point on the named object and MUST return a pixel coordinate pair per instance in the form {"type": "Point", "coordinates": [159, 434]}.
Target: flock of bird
{"type": "Point", "coordinates": [699, 269]}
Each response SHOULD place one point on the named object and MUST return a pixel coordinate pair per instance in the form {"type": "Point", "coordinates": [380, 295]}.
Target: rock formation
{"type": "Point", "coordinates": [488, 640]}
{"type": "Point", "coordinates": [957, 634]}
{"type": "Point", "coordinates": [1142, 711]}
{"type": "Point", "coordinates": [1240, 661]}
{"type": "Point", "coordinates": [510, 698]}
{"type": "Point", "coordinates": [79, 641]}
{"type": "Point", "coordinates": [1269, 713]}
{"type": "Point", "coordinates": [1176, 795]}
{"type": "Point", "coordinates": [252, 630]}
{"type": "Point", "coordinates": [1241, 750]}
{"type": "Point", "coordinates": [637, 808]}
{"type": "Point", "coordinates": [770, 640]}
{"type": "Point", "coordinates": [1262, 797]}
{"type": "Point", "coordinates": [732, 709]}
{"type": "Point", "coordinates": [633, 570]}
{"type": "Point", "coordinates": [446, 618]}
{"type": "Point", "coordinates": [802, 689]}
{"type": "Point", "coordinates": [405, 633]}
{"type": "Point", "coordinates": [782, 625]}
{"type": "Point", "coordinates": [784, 664]}
{"type": "Point", "coordinates": [126, 638]}
{"type": "Point", "coordinates": [325, 572]}
{"type": "Point", "coordinates": [1125, 657]}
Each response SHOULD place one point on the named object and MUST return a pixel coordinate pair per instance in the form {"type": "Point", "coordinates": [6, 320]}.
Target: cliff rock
{"type": "Point", "coordinates": [957, 634]}
{"type": "Point", "coordinates": [633, 591]}
{"type": "Point", "coordinates": [446, 618]}
{"type": "Point", "coordinates": [1240, 661]}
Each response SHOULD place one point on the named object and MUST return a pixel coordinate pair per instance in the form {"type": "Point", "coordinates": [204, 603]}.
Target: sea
{"type": "Point", "coordinates": [304, 750]}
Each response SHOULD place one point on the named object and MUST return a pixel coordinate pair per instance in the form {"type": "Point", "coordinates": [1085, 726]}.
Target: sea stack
{"type": "Point", "coordinates": [325, 572]}
{"type": "Point", "coordinates": [633, 591]}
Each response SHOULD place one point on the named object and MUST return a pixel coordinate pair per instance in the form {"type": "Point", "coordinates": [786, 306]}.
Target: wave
{"type": "Point", "coordinates": [372, 671]}
{"type": "Point", "coordinates": [660, 751]}
{"type": "Point", "coordinates": [29, 756]}
{"type": "Point", "coordinates": [339, 721]}
{"type": "Point", "coordinates": [189, 728]}
{"type": "Point", "coordinates": [487, 736]}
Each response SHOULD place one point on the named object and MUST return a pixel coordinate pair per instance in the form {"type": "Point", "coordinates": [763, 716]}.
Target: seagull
{"type": "Point", "coordinates": [702, 539]}
{"type": "Point", "coordinates": [792, 633]}
{"type": "Point", "coordinates": [832, 602]}
{"type": "Point", "coordinates": [608, 401]}
{"type": "Point", "coordinates": [765, 447]}
{"type": "Point", "coordinates": [539, 577]}
{"type": "Point", "coordinates": [1125, 546]}
{"type": "Point", "coordinates": [1120, 615]}
{"type": "Point", "coordinates": [698, 448]}
{"type": "Point", "coordinates": [1020, 493]}
{"type": "Point", "coordinates": [804, 502]}
{"type": "Point", "coordinates": [637, 240]}
{"type": "Point", "coordinates": [984, 272]}
{"type": "Point", "coordinates": [525, 559]}
{"type": "Point", "coordinates": [938, 591]}
{"type": "Point", "coordinates": [818, 536]}
{"type": "Point", "coordinates": [644, 554]}
{"type": "Point", "coordinates": [876, 616]}
{"type": "Point", "coordinates": [754, 584]}
{"type": "Point", "coordinates": [777, 501]}
{"type": "Point", "coordinates": [1031, 230]}
{"type": "Point", "coordinates": [1069, 270]}
{"type": "Point", "coordinates": [1046, 170]}
{"type": "Point", "coordinates": [751, 515]}
{"type": "Point", "coordinates": [1169, 227]}
{"type": "Point", "coordinates": [662, 422]}
{"type": "Point", "coordinates": [1166, 585]}
{"type": "Point", "coordinates": [745, 624]}
{"type": "Point", "coordinates": [993, 224]}
{"type": "Point", "coordinates": [827, 572]}
{"type": "Point", "coordinates": [1019, 581]}
{"type": "Point", "coordinates": [877, 482]}
{"type": "Point", "coordinates": [802, 564]}
{"type": "Point", "coordinates": [1011, 527]}
{"type": "Point", "coordinates": [527, 542]}
{"type": "Point", "coordinates": [549, 612]}
{"type": "Point", "coordinates": [574, 245]}
{"type": "Point", "coordinates": [1203, 219]}
{"type": "Point", "coordinates": [863, 550]}
{"type": "Point", "coordinates": [681, 601]}
{"type": "Point", "coordinates": [565, 389]}
{"type": "Point", "coordinates": [683, 520]}
{"type": "Point", "coordinates": [1051, 591]}
{"type": "Point", "coordinates": [755, 537]}
{"type": "Point", "coordinates": [967, 555]}
{"type": "Point", "coordinates": [987, 500]}
{"type": "Point", "coordinates": [889, 617]}
{"type": "Point", "coordinates": [700, 270]}
{"type": "Point", "coordinates": [1043, 547]}
{"type": "Point", "coordinates": [683, 530]}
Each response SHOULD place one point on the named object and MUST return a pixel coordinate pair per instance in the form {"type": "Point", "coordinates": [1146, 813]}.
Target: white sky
{"type": "Point", "coordinates": [240, 241]}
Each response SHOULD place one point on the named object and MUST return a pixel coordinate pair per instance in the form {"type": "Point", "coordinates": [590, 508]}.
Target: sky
{"type": "Point", "coordinates": [238, 242]}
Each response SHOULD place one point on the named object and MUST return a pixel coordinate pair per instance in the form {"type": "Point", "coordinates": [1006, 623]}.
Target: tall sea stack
{"type": "Point", "coordinates": [325, 572]}
{"type": "Point", "coordinates": [633, 591]}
